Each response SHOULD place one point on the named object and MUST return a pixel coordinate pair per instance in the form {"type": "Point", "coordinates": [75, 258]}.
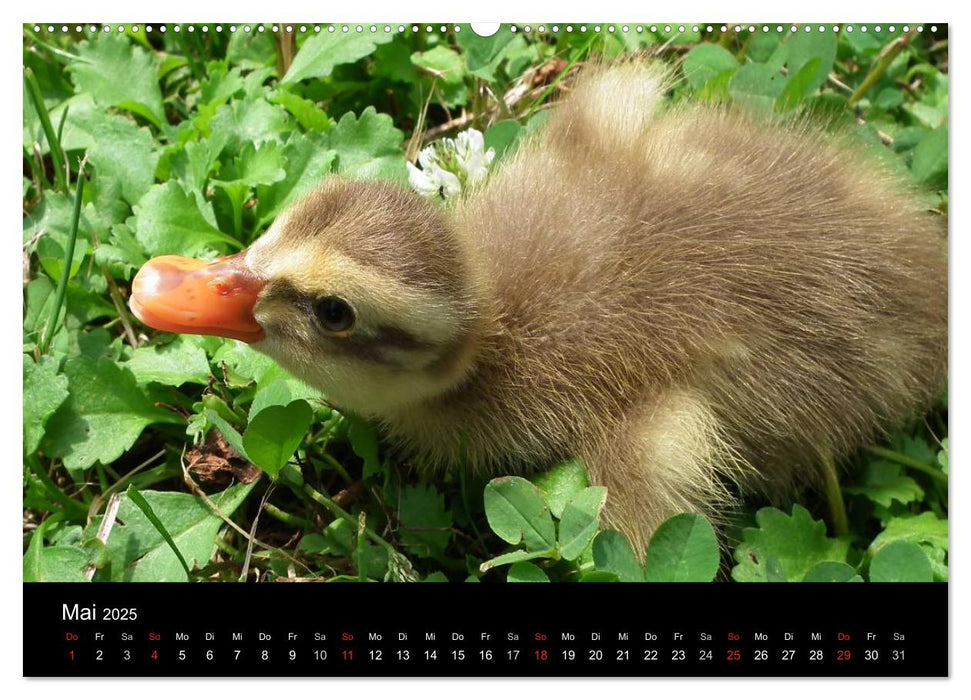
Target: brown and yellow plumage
{"type": "Point", "coordinates": [684, 296]}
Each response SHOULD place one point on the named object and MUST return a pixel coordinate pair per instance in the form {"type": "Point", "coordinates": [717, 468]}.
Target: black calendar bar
{"type": "Point", "coordinates": [647, 630]}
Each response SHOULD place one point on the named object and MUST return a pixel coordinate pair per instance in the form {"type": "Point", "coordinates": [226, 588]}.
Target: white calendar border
{"type": "Point", "coordinates": [494, 10]}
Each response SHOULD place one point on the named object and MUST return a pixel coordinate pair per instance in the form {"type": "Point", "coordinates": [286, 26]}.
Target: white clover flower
{"type": "Point", "coordinates": [474, 159]}
{"type": "Point", "coordinates": [432, 179]}
{"type": "Point", "coordinates": [450, 165]}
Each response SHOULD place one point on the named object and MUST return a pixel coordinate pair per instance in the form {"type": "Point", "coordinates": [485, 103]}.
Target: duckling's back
{"type": "Point", "coordinates": [781, 278]}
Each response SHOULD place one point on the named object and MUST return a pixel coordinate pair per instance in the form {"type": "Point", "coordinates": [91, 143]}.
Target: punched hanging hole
{"type": "Point", "coordinates": [485, 28]}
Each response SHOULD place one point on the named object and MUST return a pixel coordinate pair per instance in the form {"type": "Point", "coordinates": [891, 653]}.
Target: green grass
{"type": "Point", "coordinates": [195, 141]}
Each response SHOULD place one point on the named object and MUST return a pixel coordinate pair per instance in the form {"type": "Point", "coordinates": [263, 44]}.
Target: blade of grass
{"type": "Point", "coordinates": [143, 505]}
{"type": "Point", "coordinates": [60, 140]}
{"type": "Point", "coordinates": [834, 497]}
{"type": "Point", "coordinates": [58, 54]}
{"type": "Point", "coordinates": [68, 259]}
{"type": "Point", "coordinates": [288, 518]}
{"type": "Point", "coordinates": [57, 156]}
{"type": "Point", "coordinates": [879, 67]}
{"type": "Point", "coordinates": [251, 540]}
{"type": "Point", "coordinates": [72, 509]}
{"type": "Point", "coordinates": [37, 173]}
{"type": "Point", "coordinates": [344, 515]}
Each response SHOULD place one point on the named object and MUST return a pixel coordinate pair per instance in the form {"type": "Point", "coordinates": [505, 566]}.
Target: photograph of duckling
{"type": "Point", "coordinates": [561, 303]}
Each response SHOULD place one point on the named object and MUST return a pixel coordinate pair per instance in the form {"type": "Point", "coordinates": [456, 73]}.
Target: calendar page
{"type": "Point", "coordinates": [651, 314]}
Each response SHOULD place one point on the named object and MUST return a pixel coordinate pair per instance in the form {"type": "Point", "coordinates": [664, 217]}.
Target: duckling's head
{"type": "Point", "coordinates": [362, 290]}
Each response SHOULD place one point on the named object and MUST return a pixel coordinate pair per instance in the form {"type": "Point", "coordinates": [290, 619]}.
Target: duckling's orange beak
{"type": "Point", "coordinates": [182, 295]}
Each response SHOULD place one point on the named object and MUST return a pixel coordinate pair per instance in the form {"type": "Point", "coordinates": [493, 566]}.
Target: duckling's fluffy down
{"type": "Point", "coordinates": [687, 294]}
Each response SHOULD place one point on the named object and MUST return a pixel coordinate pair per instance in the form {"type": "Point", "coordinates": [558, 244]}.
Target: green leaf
{"type": "Point", "coordinates": [314, 542]}
{"type": "Point", "coordinates": [930, 158]}
{"type": "Point", "coordinates": [598, 577]}
{"type": "Point", "coordinates": [425, 522]}
{"type": "Point", "coordinates": [44, 391]}
{"type": "Point", "coordinates": [762, 46]}
{"type": "Point", "coordinates": [229, 433]}
{"type": "Point", "coordinates": [244, 361]}
{"type": "Point", "coordinates": [393, 61]}
{"type": "Point", "coordinates": [254, 166]}
{"type": "Point", "coordinates": [818, 48]}
{"type": "Point", "coordinates": [179, 362]}
{"type": "Point", "coordinates": [578, 526]}
{"type": "Point", "coordinates": [59, 562]}
{"type": "Point", "coordinates": [794, 543]}
{"type": "Point", "coordinates": [38, 304]}
{"type": "Point", "coordinates": [800, 86]}
{"type": "Point", "coordinates": [307, 113]}
{"type": "Point", "coordinates": [483, 53]}
{"type": "Point", "coordinates": [251, 49]}
{"type": "Point", "coordinates": [442, 62]}
{"type": "Point", "coordinates": [364, 441]}
{"type": "Point", "coordinates": [321, 52]}
{"type": "Point", "coordinates": [85, 306]}
{"type": "Point", "coordinates": [613, 554]}
{"type": "Point", "coordinates": [684, 548]}
{"type": "Point", "coordinates": [104, 414]}
{"type": "Point", "coordinates": [147, 511]}
{"type": "Point", "coordinates": [52, 221]}
{"type": "Point", "coordinates": [138, 550]}
{"type": "Point", "coordinates": [220, 84]}
{"type": "Point", "coordinates": [501, 137]}
{"type": "Point", "coordinates": [50, 252]}
{"type": "Point", "coordinates": [931, 110]}
{"type": "Point", "coordinates": [195, 161]}
{"type": "Point", "coordinates": [756, 86]}
{"type": "Point", "coordinates": [524, 572]}
{"type": "Point", "coordinates": [309, 159]}
{"type": "Point", "coordinates": [32, 570]}
{"type": "Point", "coordinates": [705, 61]}
{"type": "Point", "coordinates": [917, 448]}
{"type": "Point", "coordinates": [277, 388]}
{"type": "Point", "coordinates": [274, 434]}
{"type": "Point", "coordinates": [63, 563]}
{"type": "Point", "coordinates": [900, 561]}
{"type": "Point", "coordinates": [942, 456]}
{"type": "Point", "coordinates": [168, 221]}
{"type": "Point", "coordinates": [119, 74]}
{"type": "Point", "coordinates": [515, 556]}
{"type": "Point", "coordinates": [561, 483]}
{"type": "Point", "coordinates": [889, 98]}
{"type": "Point", "coordinates": [926, 530]}
{"type": "Point", "coordinates": [341, 537]}
{"type": "Point", "coordinates": [517, 513]}
{"type": "Point", "coordinates": [520, 55]}
{"type": "Point", "coordinates": [832, 572]}
{"type": "Point", "coordinates": [676, 36]}
{"type": "Point", "coordinates": [122, 252]}
{"type": "Point", "coordinates": [864, 44]}
{"type": "Point", "coordinates": [82, 115]}
{"type": "Point", "coordinates": [369, 147]}
{"type": "Point", "coordinates": [258, 166]}
{"type": "Point", "coordinates": [248, 121]}
{"type": "Point", "coordinates": [883, 482]}
{"type": "Point", "coordinates": [124, 159]}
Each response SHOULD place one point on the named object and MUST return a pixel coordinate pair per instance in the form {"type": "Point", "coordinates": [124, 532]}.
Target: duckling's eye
{"type": "Point", "coordinates": [334, 314]}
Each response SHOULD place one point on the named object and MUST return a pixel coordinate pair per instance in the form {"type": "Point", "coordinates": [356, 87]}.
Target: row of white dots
{"type": "Point", "coordinates": [429, 28]}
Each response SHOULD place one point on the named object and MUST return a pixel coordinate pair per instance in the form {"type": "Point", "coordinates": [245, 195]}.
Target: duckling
{"type": "Point", "coordinates": [685, 297]}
